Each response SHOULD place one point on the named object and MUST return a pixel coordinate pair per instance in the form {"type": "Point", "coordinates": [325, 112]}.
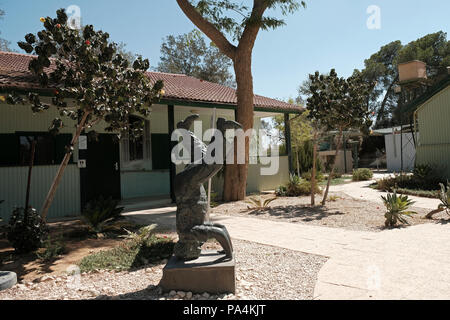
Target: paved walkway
{"type": "Point", "coordinates": [409, 263]}
{"type": "Point", "coordinates": [361, 190]}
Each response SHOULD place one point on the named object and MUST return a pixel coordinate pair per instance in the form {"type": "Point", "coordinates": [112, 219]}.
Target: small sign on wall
{"type": "Point", "coordinates": [82, 163]}
{"type": "Point", "coordinates": [82, 143]}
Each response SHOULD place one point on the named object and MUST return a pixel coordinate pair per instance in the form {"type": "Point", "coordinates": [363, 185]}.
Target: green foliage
{"type": "Point", "coordinates": [299, 187]}
{"type": "Point", "coordinates": [308, 174]}
{"type": "Point", "coordinates": [423, 179]}
{"type": "Point", "coordinates": [397, 209]}
{"type": "Point", "coordinates": [362, 174]}
{"type": "Point", "coordinates": [190, 55]}
{"type": "Point", "coordinates": [333, 99]}
{"type": "Point", "coordinates": [259, 203]}
{"type": "Point", "coordinates": [444, 196]}
{"type": "Point", "coordinates": [422, 171]}
{"type": "Point", "coordinates": [51, 249]}
{"type": "Point", "coordinates": [221, 14]}
{"type": "Point", "coordinates": [433, 49]}
{"type": "Point", "coordinates": [26, 230]}
{"type": "Point", "coordinates": [382, 67]}
{"type": "Point", "coordinates": [142, 236]}
{"type": "Point", "coordinates": [101, 211]}
{"type": "Point", "coordinates": [130, 255]}
{"type": "Point", "coordinates": [85, 66]}
{"type": "Point", "coordinates": [281, 191]}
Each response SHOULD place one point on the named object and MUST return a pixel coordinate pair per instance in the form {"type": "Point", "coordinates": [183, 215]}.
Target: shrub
{"type": "Point", "coordinates": [411, 182]}
{"type": "Point", "coordinates": [362, 174]}
{"type": "Point", "coordinates": [299, 187]}
{"type": "Point", "coordinates": [319, 176]}
{"type": "Point", "coordinates": [101, 211]}
{"type": "Point", "coordinates": [26, 230]}
{"type": "Point", "coordinates": [50, 250]}
{"type": "Point", "coordinates": [336, 174]}
{"type": "Point", "coordinates": [397, 209]}
{"type": "Point", "coordinates": [422, 171]}
{"type": "Point", "coordinates": [281, 191]}
{"type": "Point", "coordinates": [142, 236]}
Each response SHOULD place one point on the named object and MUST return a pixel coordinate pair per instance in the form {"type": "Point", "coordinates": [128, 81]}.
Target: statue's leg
{"type": "Point", "coordinates": [221, 226]}
{"type": "Point", "coordinates": [204, 232]}
{"type": "Point", "coordinates": [188, 246]}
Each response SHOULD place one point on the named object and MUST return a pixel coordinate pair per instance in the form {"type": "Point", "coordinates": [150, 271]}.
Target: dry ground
{"type": "Point", "coordinates": [344, 212]}
{"type": "Point", "coordinates": [263, 272]}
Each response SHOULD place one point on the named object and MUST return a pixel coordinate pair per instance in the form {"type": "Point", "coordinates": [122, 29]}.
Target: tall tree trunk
{"type": "Point", "coordinates": [62, 167]}
{"type": "Point", "coordinates": [313, 173]}
{"type": "Point", "coordinates": [330, 176]}
{"type": "Point", "coordinates": [235, 181]}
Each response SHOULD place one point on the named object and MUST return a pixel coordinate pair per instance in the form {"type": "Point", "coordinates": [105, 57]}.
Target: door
{"type": "Point", "coordinates": [103, 168]}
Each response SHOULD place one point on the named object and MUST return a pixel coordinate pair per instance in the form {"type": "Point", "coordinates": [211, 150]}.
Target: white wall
{"type": "Point", "coordinates": [394, 149]}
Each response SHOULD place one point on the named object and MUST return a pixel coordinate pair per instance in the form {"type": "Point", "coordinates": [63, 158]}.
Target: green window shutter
{"type": "Point", "coordinates": [9, 146]}
{"type": "Point", "coordinates": [61, 141]}
{"type": "Point", "coordinates": [160, 151]}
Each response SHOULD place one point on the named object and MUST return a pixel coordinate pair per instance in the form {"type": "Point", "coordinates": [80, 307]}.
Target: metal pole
{"type": "Point", "coordinates": [213, 126]}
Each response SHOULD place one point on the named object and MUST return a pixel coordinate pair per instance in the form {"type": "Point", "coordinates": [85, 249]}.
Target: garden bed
{"type": "Point", "coordinates": [263, 272]}
{"type": "Point", "coordinates": [344, 212]}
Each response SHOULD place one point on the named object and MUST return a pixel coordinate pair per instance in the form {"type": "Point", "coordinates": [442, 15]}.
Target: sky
{"type": "Point", "coordinates": [327, 34]}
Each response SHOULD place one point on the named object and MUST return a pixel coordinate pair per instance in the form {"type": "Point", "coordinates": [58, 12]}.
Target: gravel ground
{"type": "Point", "coordinates": [262, 272]}
{"type": "Point", "coordinates": [345, 212]}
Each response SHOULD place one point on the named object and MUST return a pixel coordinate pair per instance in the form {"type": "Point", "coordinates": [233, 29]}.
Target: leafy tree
{"type": "Point", "coordinates": [382, 68]}
{"type": "Point", "coordinates": [218, 19]}
{"type": "Point", "coordinates": [338, 104]}
{"type": "Point", "coordinates": [433, 49]}
{"type": "Point", "coordinates": [85, 66]}
{"type": "Point", "coordinates": [4, 44]}
{"type": "Point", "coordinates": [188, 54]}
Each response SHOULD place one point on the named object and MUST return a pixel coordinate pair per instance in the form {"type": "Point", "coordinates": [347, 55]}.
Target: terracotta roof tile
{"type": "Point", "coordinates": [14, 73]}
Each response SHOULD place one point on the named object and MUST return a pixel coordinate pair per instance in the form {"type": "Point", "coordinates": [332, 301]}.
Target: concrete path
{"type": "Point", "coordinates": [361, 190]}
{"type": "Point", "coordinates": [408, 263]}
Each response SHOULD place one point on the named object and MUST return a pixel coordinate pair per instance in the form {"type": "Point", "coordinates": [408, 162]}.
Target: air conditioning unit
{"type": "Point", "coordinates": [412, 71]}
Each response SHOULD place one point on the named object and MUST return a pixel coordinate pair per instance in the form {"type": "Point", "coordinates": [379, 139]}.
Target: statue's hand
{"type": "Point", "coordinates": [187, 123]}
{"type": "Point", "coordinates": [224, 125]}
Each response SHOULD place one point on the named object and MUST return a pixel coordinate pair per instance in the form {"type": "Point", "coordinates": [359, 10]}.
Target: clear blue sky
{"type": "Point", "coordinates": [328, 34]}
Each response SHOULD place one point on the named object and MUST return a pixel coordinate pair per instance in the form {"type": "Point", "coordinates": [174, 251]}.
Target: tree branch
{"type": "Point", "coordinates": [207, 28]}
{"type": "Point", "coordinates": [253, 25]}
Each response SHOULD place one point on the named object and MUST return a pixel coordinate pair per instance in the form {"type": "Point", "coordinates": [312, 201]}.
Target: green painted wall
{"type": "Point", "coordinates": [13, 183]}
{"type": "Point", "coordinates": [434, 127]}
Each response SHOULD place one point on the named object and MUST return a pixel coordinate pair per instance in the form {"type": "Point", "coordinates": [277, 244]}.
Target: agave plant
{"type": "Point", "coordinates": [258, 203]}
{"type": "Point", "coordinates": [100, 212]}
{"type": "Point", "coordinates": [444, 196]}
{"type": "Point", "coordinates": [142, 236]}
{"type": "Point", "coordinates": [397, 208]}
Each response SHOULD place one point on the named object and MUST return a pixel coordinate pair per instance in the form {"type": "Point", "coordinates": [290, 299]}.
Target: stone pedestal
{"type": "Point", "coordinates": [211, 272]}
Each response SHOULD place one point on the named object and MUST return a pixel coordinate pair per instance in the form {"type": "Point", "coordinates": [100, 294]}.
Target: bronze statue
{"type": "Point", "coordinates": [191, 198]}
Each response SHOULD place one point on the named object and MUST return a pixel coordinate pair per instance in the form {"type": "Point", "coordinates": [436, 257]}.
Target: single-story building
{"type": "Point", "coordinates": [122, 169]}
{"type": "Point", "coordinates": [432, 119]}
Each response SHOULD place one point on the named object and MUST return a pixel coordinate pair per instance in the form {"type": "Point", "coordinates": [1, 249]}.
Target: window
{"type": "Point", "coordinates": [136, 138]}
{"type": "Point", "coordinates": [44, 151]}
{"type": "Point", "coordinates": [135, 145]}
{"type": "Point", "coordinates": [16, 148]}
